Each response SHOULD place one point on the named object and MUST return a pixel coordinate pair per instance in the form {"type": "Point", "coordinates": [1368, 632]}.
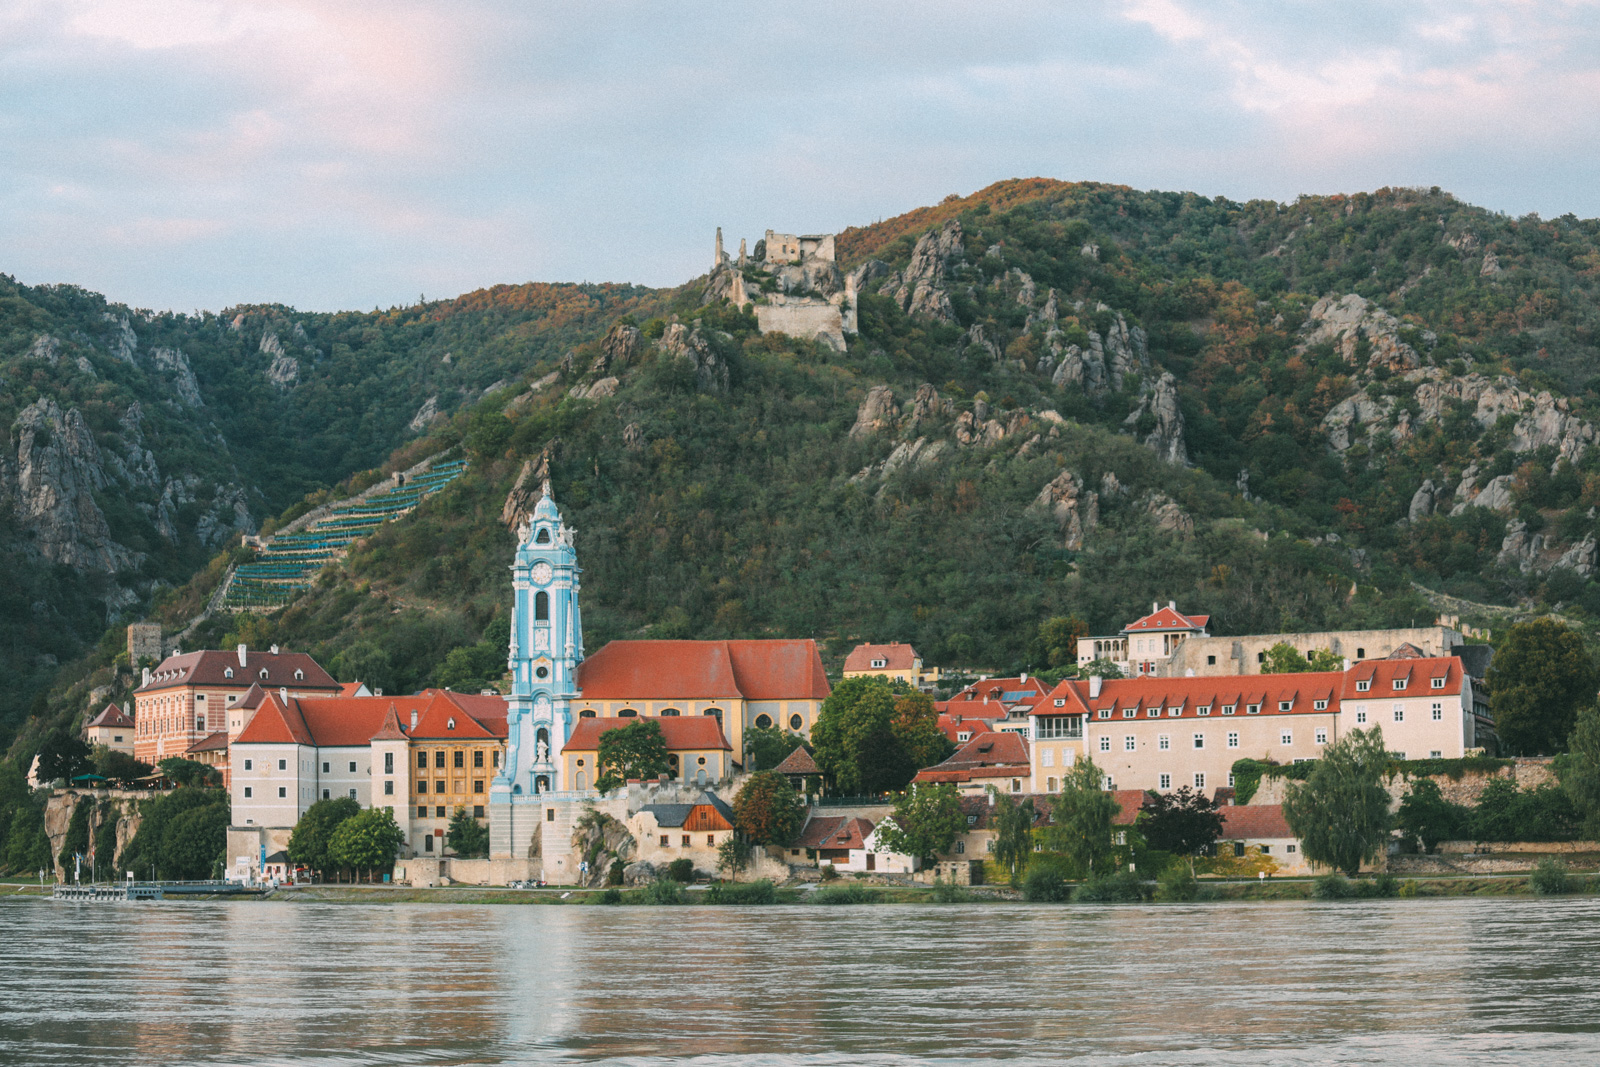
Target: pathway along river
{"type": "Point", "coordinates": [1414, 982]}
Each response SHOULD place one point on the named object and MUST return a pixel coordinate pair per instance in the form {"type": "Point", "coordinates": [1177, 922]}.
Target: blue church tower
{"type": "Point", "coordinates": [546, 648]}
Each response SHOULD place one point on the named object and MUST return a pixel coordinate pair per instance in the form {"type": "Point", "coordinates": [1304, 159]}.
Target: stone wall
{"type": "Point", "coordinates": [1238, 655]}
{"type": "Point", "coordinates": [1529, 772]}
{"type": "Point", "coordinates": [810, 321]}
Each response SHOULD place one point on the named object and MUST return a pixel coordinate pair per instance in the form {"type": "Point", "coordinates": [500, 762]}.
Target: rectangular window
{"type": "Point", "coordinates": [1053, 727]}
{"type": "Point", "coordinates": [1050, 785]}
{"type": "Point", "coordinates": [1166, 781]}
{"type": "Point", "coordinates": [1199, 740]}
{"type": "Point", "coordinates": [422, 785]}
{"type": "Point", "coordinates": [1253, 709]}
{"type": "Point", "coordinates": [438, 812]}
{"type": "Point", "coordinates": [1322, 737]}
{"type": "Point", "coordinates": [1211, 661]}
{"type": "Point", "coordinates": [438, 759]}
{"type": "Point", "coordinates": [1233, 739]}
{"type": "Point", "coordinates": [1285, 705]}
{"type": "Point", "coordinates": [1399, 683]}
{"type": "Point", "coordinates": [324, 766]}
{"type": "Point", "coordinates": [1288, 848]}
{"type": "Point", "coordinates": [497, 757]}
{"type": "Point", "coordinates": [1227, 709]}
{"type": "Point", "coordinates": [1129, 743]}
{"type": "Point", "coordinates": [1199, 780]}
{"type": "Point", "coordinates": [1105, 744]}
{"type": "Point", "coordinates": [388, 789]}
{"type": "Point", "coordinates": [1438, 683]}
{"type": "Point", "coordinates": [427, 843]}
{"type": "Point", "coordinates": [422, 760]}
{"type": "Point", "coordinates": [282, 792]}
{"type": "Point", "coordinates": [1438, 712]}
{"type": "Point", "coordinates": [1128, 713]}
{"type": "Point", "coordinates": [549, 814]}
{"type": "Point", "coordinates": [1152, 713]}
{"type": "Point", "coordinates": [247, 764]}
{"type": "Point", "coordinates": [388, 763]}
{"type": "Point", "coordinates": [477, 759]}
{"type": "Point", "coordinates": [1435, 754]}
{"type": "Point", "coordinates": [1048, 758]}
{"type": "Point", "coordinates": [283, 765]}
{"type": "Point", "coordinates": [477, 785]}
{"type": "Point", "coordinates": [1361, 715]}
{"type": "Point", "coordinates": [1364, 685]}
{"type": "Point", "coordinates": [1266, 850]}
{"type": "Point", "coordinates": [422, 811]}
{"type": "Point", "coordinates": [477, 811]}
{"type": "Point", "coordinates": [1286, 738]}
{"type": "Point", "coordinates": [1399, 713]}
{"type": "Point", "coordinates": [438, 787]}
{"type": "Point", "coordinates": [460, 760]}
{"type": "Point", "coordinates": [352, 766]}
{"type": "Point", "coordinates": [685, 840]}
{"type": "Point", "coordinates": [352, 794]}
{"type": "Point", "coordinates": [1231, 782]}
{"type": "Point", "coordinates": [324, 794]}
{"type": "Point", "coordinates": [248, 792]}
{"type": "Point", "coordinates": [711, 840]}
{"type": "Point", "coordinates": [1104, 713]}
{"type": "Point", "coordinates": [1164, 742]}
{"type": "Point", "coordinates": [1203, 709]}
{"type": "Point", "coordinates": [663, 840]}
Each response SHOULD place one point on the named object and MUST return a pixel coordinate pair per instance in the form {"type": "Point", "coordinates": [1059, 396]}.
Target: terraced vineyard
{"type": "Point", "coordinates": [288, 563]}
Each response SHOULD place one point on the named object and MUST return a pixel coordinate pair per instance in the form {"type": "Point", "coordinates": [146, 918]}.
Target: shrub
{"type": "Point", "coordinates": [681, 870]}
{"type": "Point", "coordinates": [1550, 878]}
{"type": "Point", "coordinates": [949, 893]}
{"type": "Point", "coordinates": [611, 896]}
{"type": "Point", "coordinates": [1408, 889]}
{"type": "Point", "coordinates": [757, 892]}
{"type": "Point", "coordinates": [1176, 884]}
{"type": "Point", "coordinates": [844, 894]}
{"type": "Point", "coordinates": [1386, 886]}
{"type": "Point", "coordinates": [1123, 887]}
{"type": "Point", "coordinates": [1333, 887]}
{"type": "Point", "coordinates": [1046, 882]}
{"type": "Point", "coordinates": [664, 891]}
{"type": "Point", "coordinates": [614, 875]}
{"type": "Point", "coordinates": [828, 872]}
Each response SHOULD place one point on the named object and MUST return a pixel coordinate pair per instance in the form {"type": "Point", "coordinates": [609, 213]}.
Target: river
{"type": "Point", "coordinates": [1413, 982]}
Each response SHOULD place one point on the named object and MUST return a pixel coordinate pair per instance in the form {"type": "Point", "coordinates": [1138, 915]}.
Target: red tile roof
{"type": "Point", "coordinates": [112, 716]}
{"type": "Point", "coordinates": [217, 742]}
{"type": "Point", "coordinates": [1417, 673]}
{"type": "Point", "coordinates": [994, 754]}
{"type": "Point", "coordinates": [1129, 801]}
{"type": "Point", "coordinates": [1254, 820]}
{"type": "Point", "coordinates": [390, 730]}
{"type": "Point", "coordinates": [798, 762]}
{"type": "Point", "coordinates": [704, 670]}
{"type": "Point", "coordinates": [681, 732]}
{"type": "Point", "coordinates": [896, 657]}
{"type": "Point", "coordinates": [1166, 619]}
{"type": "Point", "coordinates": [971, 709]}
{"type": "Point", "coordinates": [1302, 691]}
{"type": "Point", "coordinates": [210, 667]}
{"type": "Point", "coordinates": [350, 689]}
{"type": "Point", "coordinates": [352, 721]}
{"type": "Point", "coordinates": [834, 831]}
{"type": "Point", "coordinates": [995, 689]}
{"type": "Point", "coordinates": [447, 717]}
{"type": "Point", "coordinates": [955, 725]}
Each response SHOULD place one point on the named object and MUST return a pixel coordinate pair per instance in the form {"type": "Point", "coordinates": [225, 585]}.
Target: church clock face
{"type": "Point", "coordinates": [541, 573]}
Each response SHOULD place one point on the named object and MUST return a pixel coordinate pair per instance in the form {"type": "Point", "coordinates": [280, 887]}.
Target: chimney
{"type": "Point", "coordinates": [1094, 686]}
{"type": "Point", "coordinates": [1155, 606]}
{"type": "Point", "coordinates": [1347, 663]}
{"type": "Point", "coordinates": [241, 656]}
{"type": "Point", "coordinates": [1189, 673]}
{"type": "Point", "coordinates": [1173, 604]}
{"type": "Point", "coordinates": [378, 691]}
{"type": "Point", "coordinates": [413, 718]}
{"type": "Point", "coordinates": [274, 650]}
{"type": "Point", "coordinates": [1024, 677]}
{"type": "Point", "coordinates": [283, 695]}
{"type": "Point", "coordinates": [146, 677]}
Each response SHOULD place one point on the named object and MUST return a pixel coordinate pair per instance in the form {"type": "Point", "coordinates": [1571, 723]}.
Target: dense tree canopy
{"type": "Point", "coordinates": [1541, 676]}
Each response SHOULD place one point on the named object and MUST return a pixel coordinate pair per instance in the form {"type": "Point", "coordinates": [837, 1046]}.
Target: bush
{"type": "Point", "coordinates": [664, 891]}
{"type": "Point", "coordinates": [1046, 882]}
{"type": "Point", "coordinates": [611, 896]}
{"type": "Point", "coordinates": [614, 875]}
{"type": "Point", "coordinates": [1386, 886]}
{"type": "Point", "coordinates": [1408, 889]}
{"type": "Point", "coordinates": [1177, 884]}
{"type": "Point", "coordinates": [1550, 878]}
{"type": "Point", "coordinates": [1123, 887]}
{"type": "Point", "coordinates": [757, 892]}
{"type": "Point", "coordinates": [949, 893]}
{"type": "Point", "coordinates": [828, 872]}
{"type": "Point", "coordinates": [681, 870]}
{"type": "Point", "coordinates": [844, 894]}
{"type": "Point", "coordinates": [1333, 887]}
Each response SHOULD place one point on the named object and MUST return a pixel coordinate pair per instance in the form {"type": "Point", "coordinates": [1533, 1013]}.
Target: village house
{"type": "Point", "coordinates": [113, 728]}
{"type": "Point", "coordinates": [663, 833]}
{"type": "Point", "coordinates": [1263, 829]}
{"type": "Point", "coordinates": [992, 758]}
{"type": "Point", "coordinates": [1003, 702]}
{"type": "Point", "coordinates": [896, 661]}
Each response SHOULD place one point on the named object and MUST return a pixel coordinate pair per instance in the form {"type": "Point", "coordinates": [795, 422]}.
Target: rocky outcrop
{"type": "Point", "coordinates": [927, 405]}
{"type": "Point", "coordinates": [907, 455]}
{"type": "Point", "coordinates": [137, 464]}
{"type": "Point", "coordinates": [978, 337]}
{"type": "Point", "coordinates": [599, 839]}
{"type": "Point", "coordinates": [228, 515]}
{"type": "Point", "coordinates": [172, 363]}
{"type": "Point", "coordinates": [175, 494]}
{"type": "Point", "coordinates": [122, 342]}
{"type": "Point", "coordinates": [1347, 320]}
{"type": "Point", "coordinates": [1422, 502]}
{"type": "Point", "coordinates": [1520, 549]}
{"type": "Point", "coordinates": [425, 415]}
{"type": "Point", "coordinates": [1353, 417]}
{"type": "Point", "coordinates": [46, 348]}
{"type": "Point", "coordinates": [876, 414]}
{"type": "Point", "coordinates": [284, 369]}
{"type": "Point", "coordinates": [633, 437]}
{"type": "Point", "coordinates": [1075, 511]}
{"type": "Point", "coordinates": [594, 390]}
{"type": "Point", "coordinates": [1495, 495]}
{"type": "Point", "coordinates": [51, 484]}
{"type": "Point", "coordinates": [620, 348]}
{"type": "Point", "coordinates": [1159, 409]}
{"type": "Point", "coordinates": [529, 487]}
{"type": "Point", "coordinates": [1581, 557]}
{"type": "Point", "coordinates": [694, 348]}
{"type": "Point", "coordinates": [1542, 420]}
{"type": "Point", "coordinates": [1167, 515]}
{"type": "Point", "coordinates": [921, 289]}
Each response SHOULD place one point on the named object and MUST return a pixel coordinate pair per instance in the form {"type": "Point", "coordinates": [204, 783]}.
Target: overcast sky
{"type": "Point", "coordinates": [200, 153]}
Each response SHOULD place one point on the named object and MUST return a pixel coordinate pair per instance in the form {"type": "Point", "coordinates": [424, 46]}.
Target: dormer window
{"type": "Point", "coordinates": [1252, 709]}
{"type": "Point", "coordinates": [1400, 683]}
{"type": "Point", "coordinates": [1061, 702]}
{"type": "Point", "coordinates": [1203, 709]}
{"type": "Point", "coordinates": [1152, 713]}
{"type": "Point", "coordinates": [1438, 683]}
{"type": "Point", "coordinates": [1363, 685]}
{"type": "Point", "coordinates": [263, 674]}
{"type": "Point", "coordinates": [880, 663]}
{"type": "Point", "coordinates": [1321, 705]}
{"type": "Point", "coordinates": [1104, 713]}
{"type": "Point", "coordinates": [1176, 711]}
{"type": "Point", "coordinates": [1227, 709]}
{"type": "Point", "coordinates": [1285, 705]}
{"type": "Point", "coordinates": [1128, 713]}
{"type": "Point", "coordinates": [228, 672]}
{"type": "Point", "coordinates": [299, 676]}
{"type": "Point", "coordinates": [450, 724]}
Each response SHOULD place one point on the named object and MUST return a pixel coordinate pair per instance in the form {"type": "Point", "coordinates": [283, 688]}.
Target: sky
{"type": "Point", "coordinates": [191, 154]}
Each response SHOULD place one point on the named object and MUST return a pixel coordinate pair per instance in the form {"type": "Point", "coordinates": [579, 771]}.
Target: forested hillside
{"type": "Point", "coordinates": [1065, 401]}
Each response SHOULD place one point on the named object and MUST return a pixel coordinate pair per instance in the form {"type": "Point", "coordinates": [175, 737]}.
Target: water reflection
{"type": "Point", "coordinates": [1370, 982]}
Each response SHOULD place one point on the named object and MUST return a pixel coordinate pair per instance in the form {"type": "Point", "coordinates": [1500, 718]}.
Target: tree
{"type": "Point", "coordinates": [27, 845]}
{"type": "Point", "coordinates": [1579, 769]}
{"type": "Point", "coordinates": [1341, 812]}
{"type": "Point", "coordinates": [925, 822]}
{"type": "Point", "coordinates": [733, 856]}
{"type": "Point", "coordinates": [916, 727]}
{"type": "Point", "coordinates": [187, 771]}
{"type": "Point", "coordinates": [119, 766]}
{"type": "Point", "coordinates": [1185, 823]}
{"type": "Point", "coordinates": [1427, 817]}
{"type": "Point", "coordinates": [1326, 659]}
{"type": "Point", "coordinates": [310, 839]}
{"type": "Point", "coordinates": [767, 746]}
{"type": "Point", "coordinates": [1081, 814]}
{"type": "Point", "coordinates": [366, 841]}
{"type": "Point", "coordinates": [855, 738]}
{"type": "Point", "coordinates": [1013, 832]}
{"type": "Point", "coordinates": [637, 750]}
{"type": "Point", "coordinates": [1284, 658]}
{"type": "Point", "coordinates": [194, 842]}
{"type": "Point", "coordinates": [767, 809]}
{"type": "Point", "coordinates": [1542, 674]}
{"type": "Point", "coordinates": [1057, 642]}
{"type": "Point", "coordinates": [466, 836]}
{"type": "Point", "coordinates": [1100, 668]}
{"type": "Point", "coordinates": [63, 755]}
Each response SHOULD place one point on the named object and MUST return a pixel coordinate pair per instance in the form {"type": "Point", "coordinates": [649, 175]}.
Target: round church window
{"type": "Point", "coordinates": [795, 722]}
{"type": "Point", "coordinates": [763, 722]}
{"type": "Point", "coordinates": [541, 672]}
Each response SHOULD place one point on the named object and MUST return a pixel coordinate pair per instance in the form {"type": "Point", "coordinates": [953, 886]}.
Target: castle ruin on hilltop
{"type": "Point", "coordinates": [793, 284]}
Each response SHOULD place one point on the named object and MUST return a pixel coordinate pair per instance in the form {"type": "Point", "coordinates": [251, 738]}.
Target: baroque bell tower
{"type": "Point", "coordinates": [546, 648]}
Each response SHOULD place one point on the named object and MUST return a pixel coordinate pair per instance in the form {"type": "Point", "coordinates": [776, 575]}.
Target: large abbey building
{"type": "Point", "coordinates": [549, 770]}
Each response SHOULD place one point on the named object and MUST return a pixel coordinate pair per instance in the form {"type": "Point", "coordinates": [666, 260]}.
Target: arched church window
{"type": "Point", "coordinates": [541, 607]}
{"type": "Point", "coordinates": [669, 713]}
{"type": "Point", "coordinates": [672, 763]}
{"type": "Point", "coordinates": [763, 722]}
{"type": "Point", "coordinates": [583, 781]}
{"type": "Point", "coordinates": [627, 713]}
{"type": "Point", "coordinates": [795, 722]}
{"type": "Point", "coordinates": [544, 539]}
{"type": "Point", "coordinates": [541, 736]}
{"type": "Point", "coordinates": [716, 712]}
{"type": "Point", "coordinates": [586, 713]}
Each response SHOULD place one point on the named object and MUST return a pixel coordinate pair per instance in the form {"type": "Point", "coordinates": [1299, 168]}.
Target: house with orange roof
{"type": "Point", "coordinates": [993, 758]}
{"type": "Point", "coordinates": [113, 728]}
{"type": "Point", "coordinates": [1146, 643]}
{"type": "Point", "coordinates": [696, 750]}
{"type": "Point", "coordinates": [1261, 828]}
{"type": "Point", "coordinates": [893, 660]}
{"type": "Point", "coordinates": [1003, 702]}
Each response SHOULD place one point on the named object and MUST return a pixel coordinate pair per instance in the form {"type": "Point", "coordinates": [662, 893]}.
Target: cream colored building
{"type": "Point", "coordinates": [113, 728]}
{"type": "Point", "coordinates": [893, 660]}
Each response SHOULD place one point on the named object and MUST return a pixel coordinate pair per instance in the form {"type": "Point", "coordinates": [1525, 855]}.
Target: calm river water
{"type": "Point", "coordinates": [1413, 982]}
